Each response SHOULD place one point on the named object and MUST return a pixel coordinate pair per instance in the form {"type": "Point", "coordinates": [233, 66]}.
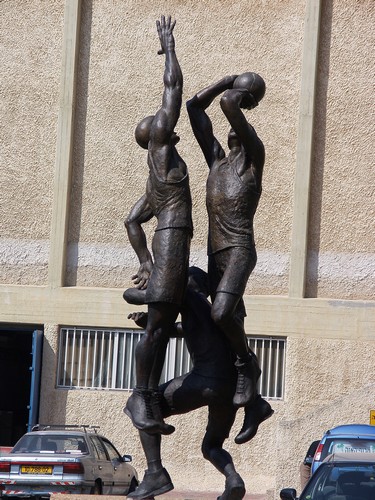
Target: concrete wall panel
{"type": "Point", "coordinates": [30, 44]}
{"type": "Point", "coordinates": [342, 232]}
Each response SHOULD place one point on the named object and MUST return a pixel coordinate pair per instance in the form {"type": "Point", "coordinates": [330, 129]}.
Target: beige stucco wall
{"type": "Point", "coordinates": [342, 233]}
{"type": "Point", "coordinates": [30, 42]}
{"type": "Point", "coordinates": [330, 342]}
{"type": "Point", "coordinates": [119, 82]}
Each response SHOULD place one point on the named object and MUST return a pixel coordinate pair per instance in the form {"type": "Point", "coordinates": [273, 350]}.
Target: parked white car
{"type": "Point", "coordinates": [67, 459]}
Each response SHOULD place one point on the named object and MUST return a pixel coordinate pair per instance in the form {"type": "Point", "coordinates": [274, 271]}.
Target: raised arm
{"type": "Point", "coordinates": [200, 121]}
{"type": "Point", "coordinates": [231, 103]}
{"type": "Point", "coordinates": [166, 118]}
{"type": "Point", "coordinates": [139, 214]}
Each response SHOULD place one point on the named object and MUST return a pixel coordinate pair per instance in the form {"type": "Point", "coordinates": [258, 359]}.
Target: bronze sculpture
{"type": "Point", "coordinates": [225, 371]}
{"type": "Point", "coordinates": [168, 199]}
{"type": "Point", "coordinates": [211, 383]}
{"type": "Point", "coordinates": [234, 187]}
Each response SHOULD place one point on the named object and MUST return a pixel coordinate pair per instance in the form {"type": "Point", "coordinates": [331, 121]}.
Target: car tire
{"type": "Point", "coordinates": [133, 485]}
{"type": "Point", "coordinates": [97, 489]}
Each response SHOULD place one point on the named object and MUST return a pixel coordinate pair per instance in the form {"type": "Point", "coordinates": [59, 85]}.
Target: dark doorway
{"type": "Point", "coordinates": [16, 377]}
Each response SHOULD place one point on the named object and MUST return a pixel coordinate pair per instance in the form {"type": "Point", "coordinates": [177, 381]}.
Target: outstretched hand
{"type": "Point", "coordinates": [165, 32]}
{"type": "Point", "coordinates": [139, 318]}
{"type": "Point", "coordinates": [242, 97]}
{"type": "Point", "coordinates": [248, 101]}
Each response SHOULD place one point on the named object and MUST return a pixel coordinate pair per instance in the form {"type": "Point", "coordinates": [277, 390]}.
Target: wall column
{"type": "Point", "coordinates": [298, 258]}
{"type": "Point", "coordinates": [64, 147]}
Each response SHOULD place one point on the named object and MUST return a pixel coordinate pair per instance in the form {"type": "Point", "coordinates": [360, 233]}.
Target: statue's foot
{"type": "Point", "coordinates": [139, 408]}
{"type": "Point", "coordinates": [255, 413]}
{"type": "Point", "coordinates": [157, 412]}
{"type": "Point", "coordinates": [234, 488]}
{"type": "Point", "coordinates": [247, 379]}
{"type": "Point", "coordinates": [153, 483]}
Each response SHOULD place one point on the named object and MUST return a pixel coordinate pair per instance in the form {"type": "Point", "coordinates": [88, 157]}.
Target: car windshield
{"type": "Point", "coordinates": [349, 480]}
{"type": "Point", "coordinates": [51, 443]}
{"type": "Point", "coordinates": [347, 445]}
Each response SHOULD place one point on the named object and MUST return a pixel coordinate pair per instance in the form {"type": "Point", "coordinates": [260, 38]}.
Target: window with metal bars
{"type": "Point", "coordinates": [105, 359]}
{"type": "Point", "coordinates": [271, 353]}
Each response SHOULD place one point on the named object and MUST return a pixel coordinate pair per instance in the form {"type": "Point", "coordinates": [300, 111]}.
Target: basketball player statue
{"type": "Point", "coordinates": [162, 278]}
{"type": "Point", "coordinates": [234, 187]}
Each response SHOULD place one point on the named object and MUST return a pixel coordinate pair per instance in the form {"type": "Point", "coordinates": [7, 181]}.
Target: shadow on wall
{"type": "Point", "coordinates": [52, 408]}
{"type": "Point", "coordinates": [319, 141]}
{"type": "Point", "coordinates": [79, 144]}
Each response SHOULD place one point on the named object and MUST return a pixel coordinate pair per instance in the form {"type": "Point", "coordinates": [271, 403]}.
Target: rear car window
{"type": "Point", "coordinates": [51, 443]}
{"type": "Point", "coordinates": [347, 445]}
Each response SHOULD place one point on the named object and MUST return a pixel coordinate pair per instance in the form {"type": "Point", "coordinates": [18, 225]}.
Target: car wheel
{"type": "Point", "coordinates": [133, 485]}
{"type": "Point", "coordinates": [97, 489]}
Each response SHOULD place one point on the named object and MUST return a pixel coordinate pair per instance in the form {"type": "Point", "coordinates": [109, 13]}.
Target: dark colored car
{"type": "Point", "coordinates": [341, 476]}
{"type": "Point", "coordinates": [356, 438]}
{"type": "Point", "coordinates": [68, 459]}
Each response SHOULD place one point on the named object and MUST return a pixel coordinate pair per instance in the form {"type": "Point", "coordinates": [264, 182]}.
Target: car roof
{"type": "Point", "coordinates": [70, 429]}
{"type": "Point", "coordinates": [352, 429]}
{"type": "Point", "coordinates": [60, 432]}
{"type": "Point", "coordinates": [350, 457]}
{"type": "Point", "coordinates": [55, 431]}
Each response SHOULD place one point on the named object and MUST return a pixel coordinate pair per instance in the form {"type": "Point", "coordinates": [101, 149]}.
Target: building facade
{"type": "Point", "coordinates": [77, 77]}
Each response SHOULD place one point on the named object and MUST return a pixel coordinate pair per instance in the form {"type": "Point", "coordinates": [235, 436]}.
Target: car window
{"type": "Point", "coordinates": [112, 452]}
{"type": "Point", "coordinates": [320, 487]}
{"type": "Point", "coordinates": [343, 480]}
{"type": "Point", "coordinates": [99, 448]}
{"type": "Point", "coordinates": [27, 444]}
{"type": "Point", "coordinates": [51, 443]}
{"type": "Point", "coordinates": [347, 445]}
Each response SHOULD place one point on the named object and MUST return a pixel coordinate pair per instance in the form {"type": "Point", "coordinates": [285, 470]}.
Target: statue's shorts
{"type": "Point", "coordinates": [171, 250]}
{"type": "Point", "coordinates": [191, 391]}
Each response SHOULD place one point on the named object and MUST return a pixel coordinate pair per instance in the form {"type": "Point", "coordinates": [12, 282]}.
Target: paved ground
{"type": "Point", "coordinates": [201, 495]}
{"type": "Point", "coordinates": [172, 495]}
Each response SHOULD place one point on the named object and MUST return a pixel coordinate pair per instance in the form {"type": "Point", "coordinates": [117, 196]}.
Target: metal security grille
{"type": "Point", "coordinates": [105, 359]}
{"type": "Point", "coordinates": [271, 357]}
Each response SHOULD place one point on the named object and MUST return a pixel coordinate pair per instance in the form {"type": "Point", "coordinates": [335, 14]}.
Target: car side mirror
{"type": "Point", "coordinates": [288, 494]}
{"type": "Point", "coordinates": [127, 458]}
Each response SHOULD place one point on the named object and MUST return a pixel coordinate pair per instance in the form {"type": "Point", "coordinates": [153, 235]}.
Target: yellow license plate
{"type": "Point", "coordinates": [36, 469]}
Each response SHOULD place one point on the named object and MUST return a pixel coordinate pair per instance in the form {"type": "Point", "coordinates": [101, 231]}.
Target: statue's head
{"type": "Point", "coordinates": [198, 280]}
{"type": "Point", "coordinates": [142, 131]}
{"type": "Point", "coordinates": [253, 82]}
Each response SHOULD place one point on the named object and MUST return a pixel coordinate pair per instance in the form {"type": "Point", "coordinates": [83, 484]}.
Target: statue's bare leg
{"type": "Point", "coordinates": [143, 406]}
{"type": "Point", "coordinates": [218, 428]}
{"type": "Point", "coordinates": [223, 313]}
{"type": "Point", "coordinates": [156, 479]}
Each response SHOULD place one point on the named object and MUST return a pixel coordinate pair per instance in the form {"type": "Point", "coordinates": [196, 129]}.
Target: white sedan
{"type": "Point", "coordinates": [75, 459]}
